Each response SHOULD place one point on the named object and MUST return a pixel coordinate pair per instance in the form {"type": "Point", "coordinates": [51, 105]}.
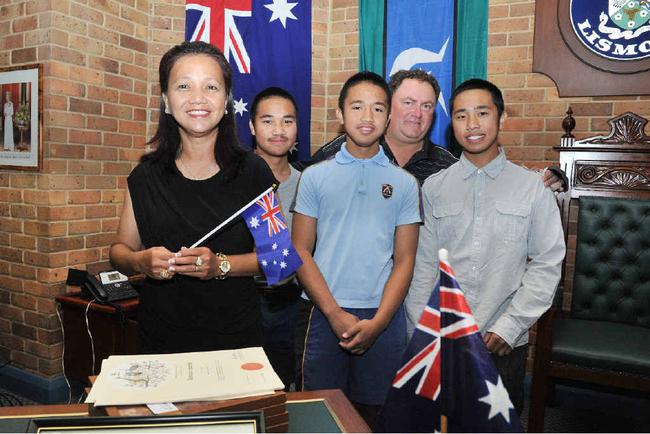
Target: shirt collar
{"type": "Point", "coordinates": [344, 157]}
{"type": "Point", "coordinates": [492, 169]}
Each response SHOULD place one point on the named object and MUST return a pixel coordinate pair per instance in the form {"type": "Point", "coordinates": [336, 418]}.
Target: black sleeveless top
{"type": "Point", "coordinates": [186, 313]}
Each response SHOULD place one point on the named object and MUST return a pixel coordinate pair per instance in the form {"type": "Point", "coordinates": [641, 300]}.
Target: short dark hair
{"type": "Point", "coordinates": [477, 83]}
{"type": "Point", "coordinates": [364, 77]}
{"type": "Point", "coordinates": [413, 74]}
{"type": "Point", "coordinates": [227, 151]}
{"type": "Point", "coordinates": [271, 92]}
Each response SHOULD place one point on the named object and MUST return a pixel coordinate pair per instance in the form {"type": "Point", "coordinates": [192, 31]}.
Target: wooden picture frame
{"type": "Point", "coordinates": [21, 127]}
{"type": "Point", "coordinates": [218, 422]}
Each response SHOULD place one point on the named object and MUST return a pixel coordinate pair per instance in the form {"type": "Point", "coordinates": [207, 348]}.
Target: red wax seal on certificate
{"type": "Point", "coordinates": [252, 366]}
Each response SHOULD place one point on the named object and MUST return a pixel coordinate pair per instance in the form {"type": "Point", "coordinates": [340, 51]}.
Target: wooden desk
{"type": "Point", "coordinates": [339, 408]}
{"type": "Point", "coordinates": [114, 331]}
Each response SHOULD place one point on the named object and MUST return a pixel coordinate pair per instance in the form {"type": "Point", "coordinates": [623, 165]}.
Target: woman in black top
{"type": "Point", "coordinates": [202, 298]}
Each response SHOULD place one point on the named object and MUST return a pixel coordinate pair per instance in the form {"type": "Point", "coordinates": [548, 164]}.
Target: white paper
{"type": "Point", "coordinates": [160, 378]}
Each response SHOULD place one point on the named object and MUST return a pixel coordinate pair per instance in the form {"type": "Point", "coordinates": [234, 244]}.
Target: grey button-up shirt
{"type": "Point", "coordinates": [503, 232]}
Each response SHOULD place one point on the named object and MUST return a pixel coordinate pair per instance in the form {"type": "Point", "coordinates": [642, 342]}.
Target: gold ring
{"type": "Point", "coordinates": [164, 274]}
{"type": "Point", "coordinates": [197, 268]}
{"type": "Point", "coordinates": [199, 261]}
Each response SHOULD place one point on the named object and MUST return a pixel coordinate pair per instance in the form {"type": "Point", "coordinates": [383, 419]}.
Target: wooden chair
{"type": "Point", "coordinates": [602, 337]}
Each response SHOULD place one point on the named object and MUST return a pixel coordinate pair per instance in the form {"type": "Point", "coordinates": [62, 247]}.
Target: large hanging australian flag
{"type": "Point", "coordinates": [268, 43]}
{"type": "Point", "coordinates": [447, 371]}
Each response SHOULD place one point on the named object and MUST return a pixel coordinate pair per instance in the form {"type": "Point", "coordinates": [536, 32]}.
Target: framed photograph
{"type": "Point", "coordinates": [22, 124]}
{"type": "Point", "coordinates": [221, 422]}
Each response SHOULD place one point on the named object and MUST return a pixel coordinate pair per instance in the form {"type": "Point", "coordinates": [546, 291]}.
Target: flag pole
{"type": "Point", "coordinates": [443, 255]}
{"type": "Point", "coordinates": [232, 217]}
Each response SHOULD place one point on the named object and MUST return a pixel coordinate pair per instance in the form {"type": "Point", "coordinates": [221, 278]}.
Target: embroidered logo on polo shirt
{"type": "Point", "coordinates": [386, 190]}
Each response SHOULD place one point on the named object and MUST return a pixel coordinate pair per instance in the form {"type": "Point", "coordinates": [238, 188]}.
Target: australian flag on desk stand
{"type": "Point", "coordinates": [268, 43]}
{"type": "Point", "coordinates": [447, 371]}
{"type": "Point", "coordinates": [276, 255]}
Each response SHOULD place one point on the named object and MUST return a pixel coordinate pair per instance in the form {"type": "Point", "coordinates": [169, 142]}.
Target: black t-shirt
{"type": "Point", "coordinates": [186, 313]}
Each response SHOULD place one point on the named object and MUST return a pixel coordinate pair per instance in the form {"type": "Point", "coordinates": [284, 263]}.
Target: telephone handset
{"type": "Point", "coordinates": [113, 287]}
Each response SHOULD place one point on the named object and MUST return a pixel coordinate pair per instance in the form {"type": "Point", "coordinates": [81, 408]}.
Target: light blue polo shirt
{"type": "Point", "coordinates": [358, 205]}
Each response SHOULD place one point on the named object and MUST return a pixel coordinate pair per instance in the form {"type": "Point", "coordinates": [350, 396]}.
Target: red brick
{"type": "Point", "coordinates": [49, 275]}
{"type": "Point", "coordinates": [84, 227]}
{"type": "Point", "coordinates": [63, 87]}
{"type": "Point", "coordinates": [23, 211]}
{"type": "Point", "coordinates": [85, 137]}
{"type": "Point", "coordinates": [101, 181]}
{"type": "Point", "coordinates": [52, 229]}
{"type": "Point", "coordinates": [117, 139]}
{"type": "Point", "coordinates": [509, 25]}
{"type": "Point", "coordinates": [523, 124]}
{"type": "Point", "coordinates": [101, 123]}
{"type": "Point", "coordinates": [133, 44]}
{"type": "Point", "coordinates": [11, 254]}
{"type": "Point", "coordinates": [24, 24]}
{"type": "Point", "coordinates": [101, 153]}
{"type": "Point", "coordinates": [100, 240]}
{"type": "Point", "coordinates": [22, 330]}
{"type": "Point", "coordinates": [23, 241]}
{"type": "Point", "coordinates": [58, 213]}
{"type": "Point", "coordinates": [99, 211]}
{"type": "Point", "coordinates": [102, 94]}
{"type": "Point", "coordinates": [45, 260]}
{"type": "Point", "coordinates": [24, 301]}
{"type": "Point", "coordinates": [57, 150]}
{"type": "Point", "coordinates": [83, 256]}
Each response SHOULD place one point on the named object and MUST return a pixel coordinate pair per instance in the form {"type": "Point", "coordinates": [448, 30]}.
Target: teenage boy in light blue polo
{"type": "Point", "coordinates": [362, 214]}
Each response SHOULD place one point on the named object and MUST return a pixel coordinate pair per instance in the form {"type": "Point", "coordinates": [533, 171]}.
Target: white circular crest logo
{"type": "Point", "coordinates": [615, 29]}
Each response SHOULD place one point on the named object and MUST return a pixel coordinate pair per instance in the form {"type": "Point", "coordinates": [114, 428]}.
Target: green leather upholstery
{"type": "Point", "coordinates": [602, 344]}
{"type": "Point", "coordinates": [612, 269]}
{"type": "Point", "coordinates": [609, 323]}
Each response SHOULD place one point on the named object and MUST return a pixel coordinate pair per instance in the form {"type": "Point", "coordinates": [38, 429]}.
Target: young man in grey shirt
{"type": "Point", "coordinates": [274, 125]}
{"type": "Point", "coordinates": [502, 229]}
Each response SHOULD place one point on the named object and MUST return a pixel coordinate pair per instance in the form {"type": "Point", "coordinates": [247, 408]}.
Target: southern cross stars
{"type": "Point", "coordinates": [240, 106]}
{"type": "Point", "coordinates": [498, 400]}
{"type": "Point", "coordinates": [281, 11]}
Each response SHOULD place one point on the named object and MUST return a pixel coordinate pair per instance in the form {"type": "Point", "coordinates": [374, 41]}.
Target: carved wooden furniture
{"type": "Point", "coordinates": [603, 335]}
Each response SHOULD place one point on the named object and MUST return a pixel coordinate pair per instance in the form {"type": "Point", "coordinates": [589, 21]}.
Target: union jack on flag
{"type": "Point", "coordinates": [276, 255]}
{"type": "Point", "coordinates": [447, 371]}
{"type": "Point", "coordinates": [268, 43]}
{"type": "Point", "coordinates": [272, 214]}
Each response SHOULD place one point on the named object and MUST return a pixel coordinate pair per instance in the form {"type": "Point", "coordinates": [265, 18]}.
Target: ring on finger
{"type": "Point", "coordinates": [199, 261]}
{"type": "Point", "coordinates": [164, 274]}
{"type": "Point", "coordinates": [197, 268]}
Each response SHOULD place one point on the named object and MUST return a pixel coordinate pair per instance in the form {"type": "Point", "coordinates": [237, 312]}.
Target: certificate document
{"type": "Point", "coordinates": [200, 376]}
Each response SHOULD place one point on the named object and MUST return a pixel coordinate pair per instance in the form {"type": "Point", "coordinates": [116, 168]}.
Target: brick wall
{"type": "Point", "coordinates": [95, 57]}
{"type": "Point", "coordinates": [101, 97]}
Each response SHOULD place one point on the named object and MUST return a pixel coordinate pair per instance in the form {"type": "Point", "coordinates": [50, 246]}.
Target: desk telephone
{"type": "Point", "coordinates": [114, 286]}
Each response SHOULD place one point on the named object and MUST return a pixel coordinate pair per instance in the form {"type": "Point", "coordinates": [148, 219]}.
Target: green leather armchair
{"type": "Point", "coordinates": [602, 336]}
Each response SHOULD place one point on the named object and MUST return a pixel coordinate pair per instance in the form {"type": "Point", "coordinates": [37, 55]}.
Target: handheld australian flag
{"type": "Point", "coordinates": [447, 371]}
{"type": "Point", "coordinates": [276, 255]}
{"type": "Point", "coordinates": [268, 43]}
